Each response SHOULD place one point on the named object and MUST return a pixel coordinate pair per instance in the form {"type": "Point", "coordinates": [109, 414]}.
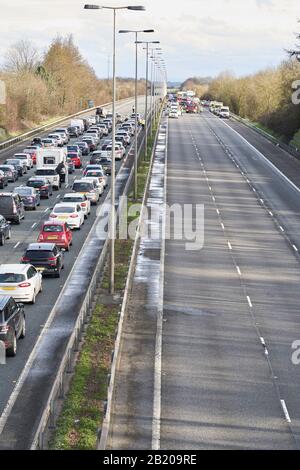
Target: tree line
{"type": "Point", "coordinates": [58, 83]}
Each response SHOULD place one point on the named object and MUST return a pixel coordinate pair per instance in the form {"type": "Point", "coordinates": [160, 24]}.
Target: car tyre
{"type": "Point", "coordinates": [12, 350]}
{"type": "Point", "coordinates": [2, 239]}
{"type": "Point", "coordinates": [9, 235]}
{"type": "Point", "coordinates": [23, 332]}
{"type": "Point", "coordinates": [33, 298]}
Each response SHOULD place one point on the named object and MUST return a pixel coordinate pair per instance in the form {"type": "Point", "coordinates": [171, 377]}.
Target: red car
{"type": "Point", "coordinates": [56, 232]}
{"type": "Point", "coordinates": [75, 159]}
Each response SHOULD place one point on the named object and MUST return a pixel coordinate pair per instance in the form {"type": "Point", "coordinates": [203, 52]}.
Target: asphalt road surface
{"type": "Point", "coordinates": [231, 309]}
{"type": "Point", "coordinates": [12, 251]}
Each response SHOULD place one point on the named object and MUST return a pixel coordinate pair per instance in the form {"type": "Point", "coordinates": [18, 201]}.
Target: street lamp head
{"type": "Point", "coordinates": [136, 8]}
{"type": "Point", "coordinates": [125, 31]}
{"type": "Point", "coordinates": [92, 7]}
{"type": "Point", "coordinates": [148, 31]}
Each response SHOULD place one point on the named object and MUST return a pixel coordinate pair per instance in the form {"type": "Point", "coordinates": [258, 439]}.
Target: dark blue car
{"type": "Point", "coordinates": [30, 196]}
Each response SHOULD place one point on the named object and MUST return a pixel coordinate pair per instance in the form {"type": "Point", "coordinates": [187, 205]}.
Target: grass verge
{"type": "Point", "coordinates": [82, 411]}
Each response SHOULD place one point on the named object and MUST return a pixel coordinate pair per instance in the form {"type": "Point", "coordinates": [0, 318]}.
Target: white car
{"type": "Point", "coordinates": [97, 173]}
{"type": "Point", "coordinates": [80, 199]}
{"type": "Point", "coordinates": [224, 112]}
{"type": "Point", "coordinates": [26, 157]}
{"type": "Point", "coordinates": [98, 185]}
{"type": "Point", "coordinates": [87, 187]}
{"type": "Point", "coordinates": [173, 114]}
{"type": "Point", "coordinates": [69, 212]}
{"type": "Point", "coordinates": [20, 281]}
{"type": "Point", "coordinates": [51, 174]}
{"type": "Point", "coordinates": [58, 138]}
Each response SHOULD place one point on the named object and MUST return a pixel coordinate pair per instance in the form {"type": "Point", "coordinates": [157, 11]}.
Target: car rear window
{"type": "Point", "coordinates": [72, 199]}
{"type": "Point", "coordinates": [23, 191]}
{"type": "Point", "coordinates": [63, 210]}
{"type": "Point", "coordinates": [5, 202]}
{"type": "Point", "coordinates": [82, 186]}
{"type": "Point", "coordinates": [11, 278]}
{"type": "Point", "coordinates": [53, 228]}
{"type": "Point", "coordinates": [36, 184]}
{"type": "Point", "coordinates": [39, 254]}
{"type": "Point", "coordinates": [46, 172]}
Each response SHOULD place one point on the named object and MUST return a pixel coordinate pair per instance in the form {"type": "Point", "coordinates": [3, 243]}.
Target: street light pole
{"type": "Point", "coordinates": [112, 219]}
{"type": "Point", "coordinates": [136, 105]}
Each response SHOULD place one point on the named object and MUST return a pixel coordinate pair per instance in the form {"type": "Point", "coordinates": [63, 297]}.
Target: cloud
{"type": "Point", "coordinates": [199, 37]}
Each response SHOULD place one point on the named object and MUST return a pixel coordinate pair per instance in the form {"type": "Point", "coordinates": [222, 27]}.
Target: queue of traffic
{"type": "Point", "coordinates": [53, 159]}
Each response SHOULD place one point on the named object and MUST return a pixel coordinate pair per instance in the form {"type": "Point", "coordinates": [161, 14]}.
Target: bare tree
{"type": "Point", "coordinates": [295, 52]}
{"type": "Point", "coordinates": [21, 57]}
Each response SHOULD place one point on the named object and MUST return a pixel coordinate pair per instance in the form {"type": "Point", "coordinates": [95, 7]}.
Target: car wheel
{"type": "Point", "coordinates": [23, 331]}
{"type": "Point", "coordinates": [18, 220]}
{"type": "Point", "coordinates": [33, 298]}
{"type": "Point", "coordinates": [12, 349]}
{"type": "Point", "coordinates": [2, 239]}
{"type": "Point", "coordinates": [41, 287]}
{"type": "Point", "coordinates": [9, 234]}
{"type": "Point", "coordinates": [57, 274]}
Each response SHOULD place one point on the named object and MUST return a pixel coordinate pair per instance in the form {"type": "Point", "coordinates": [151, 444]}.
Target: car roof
{"type": "Point", "coordinates": [41, 246]}
{"type": "Point", "coordinates": [57, 222]}
{"type": "Point", "coordinates": [74, 194]}
{"type": "Point", "coordinates": [13, 268]}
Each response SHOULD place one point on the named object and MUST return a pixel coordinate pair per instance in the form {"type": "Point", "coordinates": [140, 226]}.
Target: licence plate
{"type": "Point", "coordinates": [40, 269]}
{"type": "Point", "coordinates": [52, 237]}
{"type": "Point", "coordinates": [63, 217]}
{"type": "Point", "coordinates": [8, 288]}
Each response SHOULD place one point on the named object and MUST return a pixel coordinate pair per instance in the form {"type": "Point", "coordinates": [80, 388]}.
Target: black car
{"type": "Point", "coordinates": [17, 164]}
{"type": "Point", "coordinates": [37, 141]}
{"type": "Point", "coordinates": [3, 180]}
{"type": "Point", "coordinates": [12, 323]}
{"type": "Point", "coordinates": [12, 207]}
{"type": "Point", "coordinates": [42, 185]}
{"type": "Point", "coordinates": [5, 232]}
{"type": "Point", "coordinates": [73, 131]}
{"type": "Point", "coordinates": [45, 257]}
{"type": "Point", "coordinates": [83, 147]}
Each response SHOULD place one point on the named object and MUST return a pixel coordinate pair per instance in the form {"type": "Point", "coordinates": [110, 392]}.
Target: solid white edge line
{"type": "Point", "coordinates": [295, 248]}
{"type": "Point", "coordinates": [229, 246]}
{"type": "Point", "coordinates": [265, 158]}
{"type": "Point", "coordinates": [238, 270]}
{"type": "Point", "coordinates": [249, 301]}
{"type": "Point", "coordinates": [156, 419]}
{"type": "Point", "coordinates": [16, 245]}
{"type": "Point", "coordinates": [285, 410]}
{"type": "Point", "coordinates": [34, 225]}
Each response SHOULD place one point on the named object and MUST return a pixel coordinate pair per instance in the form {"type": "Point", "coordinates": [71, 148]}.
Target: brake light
{"type": "Point", "coordinates": [83, 204]}
{"type": "Point", "coordinates": [24, 284]}
{"type": "Point", "coordinates": [26, 260]}
{"type": "Point", "coordinates": [73, 216]}
{"type": "Point", "coordinates": [52, 259]}
{"type": "Point", "coordinates": [41, 237]}
{"type": "Point", "coordinates": [43, 187]}
{"type": "Point", "coordinates": [53, 216]}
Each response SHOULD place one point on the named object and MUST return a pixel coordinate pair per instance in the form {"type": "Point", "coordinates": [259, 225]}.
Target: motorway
{"type": "Point", "coordinates": [230, 309]}
{"type": "Point", "coordinates": [12, 251]}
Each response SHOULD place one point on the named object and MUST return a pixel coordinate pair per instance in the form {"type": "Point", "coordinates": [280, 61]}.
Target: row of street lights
{"type": "Point", "coordinates": [158, 72]}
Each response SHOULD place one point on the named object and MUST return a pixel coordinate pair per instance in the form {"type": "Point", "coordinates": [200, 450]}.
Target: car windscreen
{"type": "Point", "coordinates": [53, 228]}
{"type": "Point", "coordinates": [13, 162]}
{"type": "Point", "coordinates": [23, 157]}
{"type": "Point", "coordinates": [11, 278]}
{"type": "Point", "coordinates": [78, 187]}
{"type": "Point", "coordinates": [45, 172]}
{"type": "Point", "coordinates": [64, 210]}
{"type": "Point", "coordinates": [93, 174]}
{"type": "Point", "coordinates": [38, 254]}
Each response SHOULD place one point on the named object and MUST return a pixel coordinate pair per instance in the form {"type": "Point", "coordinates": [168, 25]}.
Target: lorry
{"type": "Point", "coordinates": [52, 164]}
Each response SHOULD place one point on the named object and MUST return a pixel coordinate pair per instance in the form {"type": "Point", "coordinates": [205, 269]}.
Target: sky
{"type": "Point", "coordinates": [198, 37]}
